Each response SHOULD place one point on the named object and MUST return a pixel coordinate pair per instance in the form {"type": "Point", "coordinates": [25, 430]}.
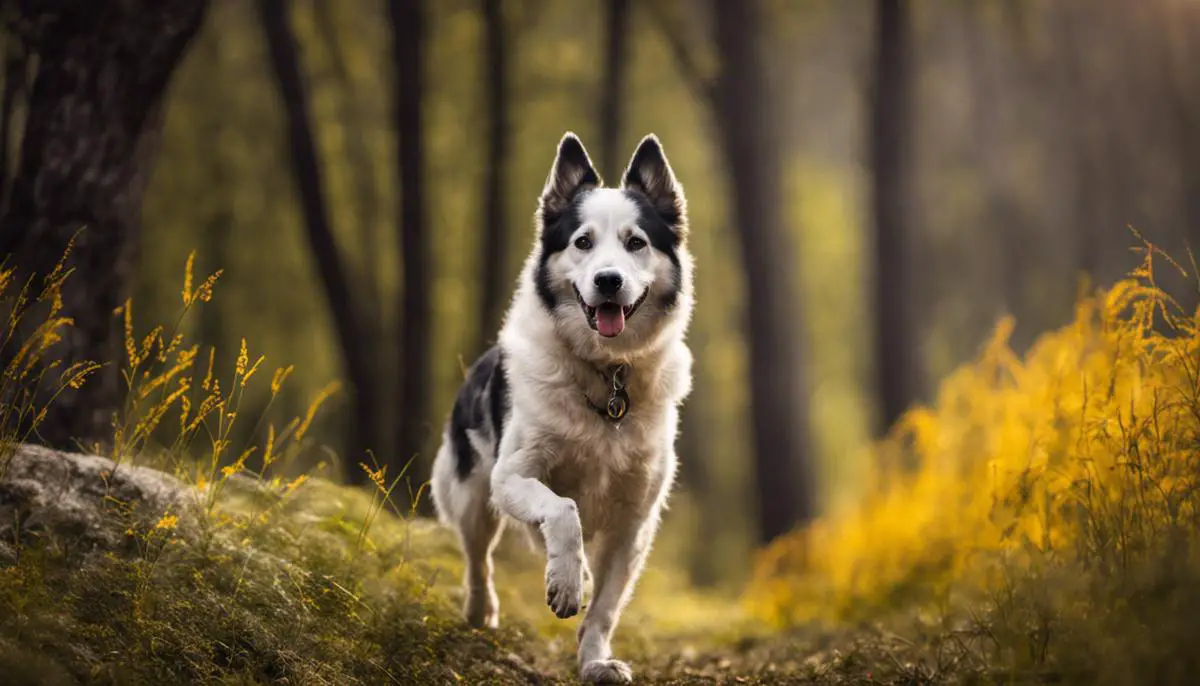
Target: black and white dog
{"type": "Point", "coordinates": [568, 424]}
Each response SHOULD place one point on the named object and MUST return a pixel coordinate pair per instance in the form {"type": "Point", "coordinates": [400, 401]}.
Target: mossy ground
{"type": "Point", "coordinates": [302, 597]}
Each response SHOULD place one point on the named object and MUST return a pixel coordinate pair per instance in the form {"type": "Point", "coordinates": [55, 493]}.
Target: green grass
{"type": "Point", "coordinates": [292, 601]}
{"type": "Point", "coordinates": [302, 597]}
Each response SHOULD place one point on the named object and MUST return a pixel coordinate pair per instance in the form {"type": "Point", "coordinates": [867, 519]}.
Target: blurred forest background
{"type": "Point", "coordinates": [871, 185]}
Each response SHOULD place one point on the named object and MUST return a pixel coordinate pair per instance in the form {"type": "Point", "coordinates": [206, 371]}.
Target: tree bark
{"type": "Point", "coordinates": [306, 168]}
{"type": "Point", "coordinates": [218, 230]}
{"type": "Point", "coordinates": [616, 35]}
{"type": "Point", "coordinates": [778, 397]}
{"type": "Point", "coordinates": [14, 87]}
{"type": "Point", "coordinates": [495, 286]}
{"type": "Point", "coordinates": [897, 363]}
{"type": "Point", "coordinates": [94, 117]}
{"type": "Point", "coordinates": [361, 169]}
{"type": "Point", "coordinates": [408, 43]}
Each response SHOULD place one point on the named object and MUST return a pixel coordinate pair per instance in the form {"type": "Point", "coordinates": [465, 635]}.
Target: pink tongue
{"type": "Point", "coordinates": [610, 320]}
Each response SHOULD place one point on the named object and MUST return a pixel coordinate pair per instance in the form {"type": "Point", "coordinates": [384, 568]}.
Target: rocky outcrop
{"type": "Point", "coordinates": [87, 499]}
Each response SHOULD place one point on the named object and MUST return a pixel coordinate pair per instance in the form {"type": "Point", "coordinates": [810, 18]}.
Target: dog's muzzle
{"type": "Point", "coordinates": [608, 318]}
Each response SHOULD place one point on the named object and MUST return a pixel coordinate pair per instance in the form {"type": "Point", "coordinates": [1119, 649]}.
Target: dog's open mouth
{"type": "Point", "coordinates": [608, 319]}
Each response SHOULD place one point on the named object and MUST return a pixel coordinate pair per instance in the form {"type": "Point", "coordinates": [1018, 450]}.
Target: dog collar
{"type": "Point", "coordinates": [617, 404]}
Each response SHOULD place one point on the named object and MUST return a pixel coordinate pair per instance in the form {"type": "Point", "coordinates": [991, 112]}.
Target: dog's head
{"type": "Point", "coordinates": [612, 267]}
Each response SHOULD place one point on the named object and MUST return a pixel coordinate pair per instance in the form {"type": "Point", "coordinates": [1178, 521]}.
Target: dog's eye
{"type": "Point", "coordinates": [635, 244]}
{"type": "Point", "coordinates": [583, 243]}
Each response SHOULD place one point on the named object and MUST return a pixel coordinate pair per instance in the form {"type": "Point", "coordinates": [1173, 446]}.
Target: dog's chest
{"type": "Point", "coordinates": [607, 486]}
{"type": "Point", "coordinates": [613, 470]}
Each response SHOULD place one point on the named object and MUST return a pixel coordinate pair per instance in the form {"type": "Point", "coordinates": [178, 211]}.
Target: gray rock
{"type": "Point", "coordinates": [85, 498]}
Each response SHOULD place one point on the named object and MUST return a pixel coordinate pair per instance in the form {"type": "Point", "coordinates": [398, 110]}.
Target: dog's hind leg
{"type": "Point", "coordinates": [463, 503]}
{"type": "Point", "coordinates": [479, 532]}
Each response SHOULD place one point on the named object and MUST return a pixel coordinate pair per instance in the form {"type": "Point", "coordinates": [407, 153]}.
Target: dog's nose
{"type": "Point", "coordinates": [608, 282]}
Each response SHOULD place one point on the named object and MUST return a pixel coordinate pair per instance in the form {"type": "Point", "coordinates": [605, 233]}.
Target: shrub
{"type": "Point", "coordinates": [1052, 501]}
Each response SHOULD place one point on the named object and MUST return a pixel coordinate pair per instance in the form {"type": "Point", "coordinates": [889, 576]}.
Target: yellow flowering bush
{"type": "Point", "coordinates": [1038, 497]}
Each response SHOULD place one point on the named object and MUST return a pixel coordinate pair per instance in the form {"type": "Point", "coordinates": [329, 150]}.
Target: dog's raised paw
{"type": "Point", "coordinates": [606, 672]}
{"type": "Point", "coordinates": [564, 585]}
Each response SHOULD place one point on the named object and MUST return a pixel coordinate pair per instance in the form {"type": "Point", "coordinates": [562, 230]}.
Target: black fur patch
{"type": "Point", "coordinates": [482, 406]}
{"type": "Point", "coordinates": [664, 237]}
{"type": "Point", "coordinates": [499, 401]}
{"type": "Point", "coordinates": [556, 232]}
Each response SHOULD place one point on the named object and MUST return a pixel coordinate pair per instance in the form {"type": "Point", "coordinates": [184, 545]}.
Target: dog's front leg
{"type": "Point", "coordinates": [618, 563]}
{"type": "Point", "coordinates": [522, 497]}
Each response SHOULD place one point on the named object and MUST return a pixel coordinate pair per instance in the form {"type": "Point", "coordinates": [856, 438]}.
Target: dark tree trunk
{"type": "Point", "coordinates": [778, 397]}
{"type": "Point", "coordinates": [364, 272]}
{"type": "Point", "coordinates": [1088, 141]}
{"type": "Point", "coordinates": [495, 287]}
{"type": "Point", "coordinates": [695, 476]}
{"type": "Point", "coordinates": [94, 117]}
{"type": "Point", "coordinates": [998, 217]}
{"type": "Point", "coordinates": [616, 34]}
{"type": "Point", "coordinates": [361, 169]}
{"type": "Point", "coordinates": [14, 87]}
{"type": "Point", "coordinates": [897, 365]}
{"type": "Point", "coordinates": [408, 43]}
{"type": "Point", "coordinates": [216, 252]}
{"type": "Point", "coordinates": [1181, 91]}
{"type": "Point", "coordinates": [306, 167]}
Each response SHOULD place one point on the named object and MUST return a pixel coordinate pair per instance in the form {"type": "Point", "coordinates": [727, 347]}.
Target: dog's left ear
{"type": "Point", "coordinates": [650, 173]}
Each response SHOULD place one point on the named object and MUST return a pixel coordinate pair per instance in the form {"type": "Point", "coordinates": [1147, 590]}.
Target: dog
{"type": "Point", "coordinates": [567, 425]}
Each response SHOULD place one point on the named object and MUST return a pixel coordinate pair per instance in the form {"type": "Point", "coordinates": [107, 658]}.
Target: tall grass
{"type": "Point", "coordinates": [1053, 511]}
{"type": "Point", "coordinates": [30, 380]}
{"type": "Point", "coordinates": [263, 573]}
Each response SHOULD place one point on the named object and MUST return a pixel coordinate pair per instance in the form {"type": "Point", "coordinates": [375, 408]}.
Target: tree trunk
{"type": "Point", "coordinates": [617, 32]}
{"type": "Point", "coordinates": [778, 397]}
{"type": "Point", "coordinates": [897, 363]}
{"type": "Point", "coordinates": [14, 86]}
{"type": "Point", "coordinates": [695, 476]}
{"type": "Point", "coordinates": [495, 288]}
{"type": "Point", "coordinates": [94, 116]}
{"type": "Point", "coordinates": [306, 167]}
{"type": "Point", "coordinates": [408, 38]}
{"type": "Point", "coordinates": [998, 216]}
{"type": "Point", "coordinates": [361, 170]}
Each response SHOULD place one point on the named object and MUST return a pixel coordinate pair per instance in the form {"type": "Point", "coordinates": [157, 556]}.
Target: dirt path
{"type": "Point", "coordinates": [672, 633]}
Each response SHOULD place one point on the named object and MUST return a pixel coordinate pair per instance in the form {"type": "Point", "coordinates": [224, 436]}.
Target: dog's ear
{"type": "Point", "coordinates": [571, 173]}
{"type": "Point", "coordinates": [650, 173]}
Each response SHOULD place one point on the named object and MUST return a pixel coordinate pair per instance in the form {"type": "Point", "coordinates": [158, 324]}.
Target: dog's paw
{"type": "Point", "coordinates": [606, 672]}
{"type": "Point", "coordinates": [564, 585]}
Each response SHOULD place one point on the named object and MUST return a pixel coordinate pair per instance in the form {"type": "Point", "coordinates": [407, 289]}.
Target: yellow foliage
{"type": "Point", "coordinates": [167, 522]}
{"type": "Point", "coordinates": [27, 389]}
{"type": "Point", "coordinates": [1081, 455]}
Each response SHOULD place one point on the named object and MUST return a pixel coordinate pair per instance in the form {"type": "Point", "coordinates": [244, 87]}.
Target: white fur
{"type": "Point", "coordinates": [568, 474]}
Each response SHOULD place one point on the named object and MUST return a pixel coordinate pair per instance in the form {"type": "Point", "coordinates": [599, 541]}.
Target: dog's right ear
{"type": "Point", "coordinates": [571, 173]}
